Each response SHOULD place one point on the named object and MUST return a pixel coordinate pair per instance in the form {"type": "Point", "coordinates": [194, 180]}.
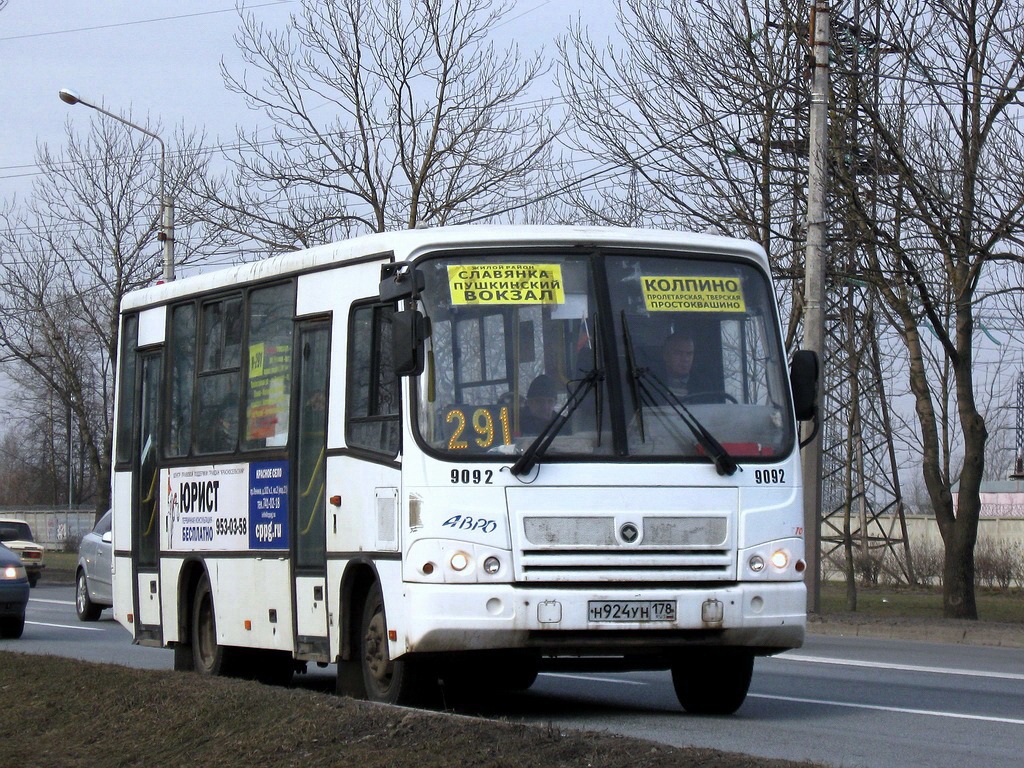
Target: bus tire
{"type": "Point", "coordinates": [386, 680]}
{"type": "Point", "coordinates": [209, 657]}
{"type": "Point", "coordinates": [713, 681]}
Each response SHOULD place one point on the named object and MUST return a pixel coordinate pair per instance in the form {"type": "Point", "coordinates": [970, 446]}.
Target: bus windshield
{"type": "Point", "coordinates": [637, 355]}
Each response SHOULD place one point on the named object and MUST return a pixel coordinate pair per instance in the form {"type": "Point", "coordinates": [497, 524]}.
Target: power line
{"type": "Point", "coordinates": [56, 32]}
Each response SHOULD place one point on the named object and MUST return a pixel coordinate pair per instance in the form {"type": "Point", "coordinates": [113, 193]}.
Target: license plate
{"type": "Point", "coordinates": [631, 610]}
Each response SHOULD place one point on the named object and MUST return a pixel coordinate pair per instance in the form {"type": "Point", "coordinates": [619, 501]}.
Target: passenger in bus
{"type": "Point", "coordinates": [677, 359]}
{"type": "Point", "coordinates": [221, 427]}
{"type": "Point", "coordinates": [540, 405]}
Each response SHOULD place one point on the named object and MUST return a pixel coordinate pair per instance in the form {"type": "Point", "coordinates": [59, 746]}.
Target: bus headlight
{"type": "Point", "coordinates": [779, 560]}
{"type": "Point", "coordinates": [443, 561]}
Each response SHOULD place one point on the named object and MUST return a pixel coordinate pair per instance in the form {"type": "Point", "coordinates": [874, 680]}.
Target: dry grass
{"type": "Point", "coordinates": [74, 714]}
{"type": "Point", "coordinates": [1004, 606]}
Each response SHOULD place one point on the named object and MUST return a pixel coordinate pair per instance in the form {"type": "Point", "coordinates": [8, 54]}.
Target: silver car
{"type": "Point", "coordinates": [92, 581]}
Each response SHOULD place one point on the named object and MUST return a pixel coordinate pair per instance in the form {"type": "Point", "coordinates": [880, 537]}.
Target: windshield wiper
{"type": "Point", "coordinates": [635, 377]}
{"type": "Point", "coordinates": [540, 444]}
{"type": "Point", "coordinates": [640, 378]}
{"type": "Point", "coordinates": [598, 366]}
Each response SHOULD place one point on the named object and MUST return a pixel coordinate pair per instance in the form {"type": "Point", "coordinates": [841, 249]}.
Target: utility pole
{"type": "Point", "coordinates": [1018, 461]}
{"type": "Point", "coordinates": [814, 283]}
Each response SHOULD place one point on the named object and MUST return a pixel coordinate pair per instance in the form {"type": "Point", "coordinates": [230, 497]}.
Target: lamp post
{"type": "Point", "coordinates": [166, 235]}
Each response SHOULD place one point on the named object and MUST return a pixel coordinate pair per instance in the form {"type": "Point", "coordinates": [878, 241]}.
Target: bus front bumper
{"type": "Point", "coordinates": [766, 617]}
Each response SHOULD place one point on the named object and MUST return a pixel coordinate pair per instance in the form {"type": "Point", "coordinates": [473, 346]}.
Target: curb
{"type": "Point", "coordinates": [952, 631]}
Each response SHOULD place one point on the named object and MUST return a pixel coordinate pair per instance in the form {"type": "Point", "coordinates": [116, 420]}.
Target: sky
{"type": "Point", "coordinates": [160, 59]}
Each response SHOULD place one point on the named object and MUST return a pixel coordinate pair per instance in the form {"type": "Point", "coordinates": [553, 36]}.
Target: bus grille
{"type": "Point", "coordinates": [633, 548]}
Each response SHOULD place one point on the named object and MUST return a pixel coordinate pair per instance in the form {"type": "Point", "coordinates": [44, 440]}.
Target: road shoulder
{"type": "Point", "coordinates": [960, 631]}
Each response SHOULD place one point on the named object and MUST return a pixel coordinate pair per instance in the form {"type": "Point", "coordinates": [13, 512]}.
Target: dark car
{"type": "Point", "coordinates": [13, 594]}
{"type": "Point", "coordinates": [93, 590]}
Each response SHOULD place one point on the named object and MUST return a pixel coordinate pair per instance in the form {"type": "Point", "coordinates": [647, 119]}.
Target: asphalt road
{"type": "Point", "coordinates": [839, 701]}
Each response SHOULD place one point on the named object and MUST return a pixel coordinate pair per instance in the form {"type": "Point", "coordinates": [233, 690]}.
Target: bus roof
{"type": "Point", "coordinates": [403, 245]}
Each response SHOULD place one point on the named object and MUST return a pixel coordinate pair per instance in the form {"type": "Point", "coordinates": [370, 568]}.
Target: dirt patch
{"type": "Point", "coordinates": [77, 714]}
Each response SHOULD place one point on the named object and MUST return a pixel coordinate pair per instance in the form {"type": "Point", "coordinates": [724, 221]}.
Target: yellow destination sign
{"type": "Point", "coordinates": [506, 284]}
{"type": "Point", "coordinates": [693, 294]}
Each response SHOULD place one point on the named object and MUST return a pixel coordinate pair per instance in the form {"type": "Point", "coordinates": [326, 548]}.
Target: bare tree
{"type": "Point", "coordinates": [87, 236]}
{"type": "Point", "coordinates": [387, 114]}
{"type": "Point", "coordinates": [29, 468]}
{"type": "Point", "coordinates": [952, 211]}
{"type": "Point", "coordinates": [702, 109]}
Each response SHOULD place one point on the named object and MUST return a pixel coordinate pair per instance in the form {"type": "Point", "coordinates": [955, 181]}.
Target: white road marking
{"type": "Point", "coordinates": [899, 667]}
{"type": "Point", "coordinates": [846, 704]}
{"type": "Point", "coordinates": [569, 676]}
{"type": "Point", "coordinates": [51, 602]}
{"type": "Point", "coordinates": [65, 626]}
{"type": "Point", "coordinates": [900, 710]}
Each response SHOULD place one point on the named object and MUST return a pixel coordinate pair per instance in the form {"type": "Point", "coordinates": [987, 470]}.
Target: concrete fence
{"type": "Point", "coordinates": [52, 527]}
{"type": "Point", "coordinates": [923, 530]}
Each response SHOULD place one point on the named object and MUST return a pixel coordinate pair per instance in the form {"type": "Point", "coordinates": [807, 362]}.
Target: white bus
{"type": "Point", "coordinates": [339, 455]}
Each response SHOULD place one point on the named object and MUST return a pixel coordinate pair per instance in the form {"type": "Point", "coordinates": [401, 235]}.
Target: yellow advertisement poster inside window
{"type": "Point", "coordinates": [506, 284]}
{"type": "Point", "coordinates": [673, 293]}
{"type": "Point", "coordinates": [269, 377]}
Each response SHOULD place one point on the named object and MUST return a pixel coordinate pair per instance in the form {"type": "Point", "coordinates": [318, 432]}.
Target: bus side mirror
{"type": "Point", "coordinates": [400, 281]}
{"type": "Point", "coordinates": [409, 329]}
{"type": "Point", "coordinates": [803, 380]}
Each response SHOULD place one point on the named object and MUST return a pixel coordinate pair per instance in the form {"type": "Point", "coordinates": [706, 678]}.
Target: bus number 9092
{"type": "Point", "coordinates": [472, 477]}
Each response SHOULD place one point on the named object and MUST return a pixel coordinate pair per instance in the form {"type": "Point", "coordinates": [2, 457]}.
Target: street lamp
{"type": "Point", "coordinates": [166, 235]}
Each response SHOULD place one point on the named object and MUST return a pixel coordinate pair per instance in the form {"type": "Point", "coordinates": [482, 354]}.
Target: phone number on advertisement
{"type": "Point", "coordinates": [232, 526]}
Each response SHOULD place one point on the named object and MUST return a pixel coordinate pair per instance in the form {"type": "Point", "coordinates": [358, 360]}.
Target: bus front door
{"type": "Point", "coordinates": [146, 503]}
{"type": "Point", "coordinates": [310, 538]}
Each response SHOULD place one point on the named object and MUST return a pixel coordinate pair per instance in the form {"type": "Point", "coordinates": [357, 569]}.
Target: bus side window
{"type": "Point", "coordinates": [182, 359]}
{"type": "Point", "coordinates": [126, 394]}
{"type": "Point", "coordinates": [219, 375]}
{"type": "Point", "coordinates": [268, 366]}
{"type": "Point", "coordinates": [372, 407]}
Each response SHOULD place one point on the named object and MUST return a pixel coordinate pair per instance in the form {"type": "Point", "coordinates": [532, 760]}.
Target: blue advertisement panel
{"type": "Point", "coordinates": [268, 505]}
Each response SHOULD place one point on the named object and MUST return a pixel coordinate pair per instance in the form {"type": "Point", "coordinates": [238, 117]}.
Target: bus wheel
{"type": "Point", "coordinates": [209, 657]}
{"type": "Point", "coordinates": [398, 681]}
{"type": "Point", "coordinates": [713, 681]}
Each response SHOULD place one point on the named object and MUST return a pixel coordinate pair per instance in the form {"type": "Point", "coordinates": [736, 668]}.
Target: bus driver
{"type": "Point", "coordinates": [677, 358]}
